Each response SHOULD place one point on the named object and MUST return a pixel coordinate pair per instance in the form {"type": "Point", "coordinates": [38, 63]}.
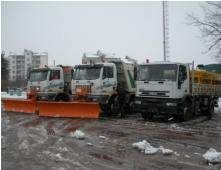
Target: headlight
{"type": "Point", "coordinates": [137, 102]}
{"type": "Point", "coordinates": [171, 104]}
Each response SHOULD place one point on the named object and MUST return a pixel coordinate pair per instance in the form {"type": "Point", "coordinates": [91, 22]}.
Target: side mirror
{"type": "Point", "coordinates": [50, 76]}
{"type": "Point", "coordinates": [135, 73]}
{"type": "Point", "coordinates": [184, 76]}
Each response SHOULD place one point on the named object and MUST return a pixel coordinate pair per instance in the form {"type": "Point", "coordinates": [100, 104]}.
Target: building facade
{"type": "Point", "coordinates": [21, 63]}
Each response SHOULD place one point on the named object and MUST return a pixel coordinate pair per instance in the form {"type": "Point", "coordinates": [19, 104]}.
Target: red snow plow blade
{"type": "Point", "coordinates": [17, 105]}
{"type": "Point", "coordinates": [69, 109]}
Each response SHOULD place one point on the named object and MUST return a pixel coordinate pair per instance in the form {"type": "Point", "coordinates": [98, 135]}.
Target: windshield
{"type": "Point", "coordinates": [161, 72]}
{"type": "Point", "coordinates": [38, 75]}
{"type": "Point", "coordinates": [87, 73]}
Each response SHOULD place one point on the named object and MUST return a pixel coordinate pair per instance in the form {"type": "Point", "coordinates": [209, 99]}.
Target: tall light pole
{"type": "Point", "coordinates": [165, 31]}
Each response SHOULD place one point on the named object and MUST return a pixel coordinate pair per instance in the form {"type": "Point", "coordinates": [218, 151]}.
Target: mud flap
{"type": "Point", "coordinates": [69, 109]}
{"type": "Point", "coordinates": [17, 105]}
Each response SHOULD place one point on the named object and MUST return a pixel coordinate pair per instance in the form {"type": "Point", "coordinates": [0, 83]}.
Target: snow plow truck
{"type": "Point", "coordinates": [176, 89]}
{"type": "Point", "coordinates": [106, 80]}
{"type": "Point", "coordinates": [94, 87]}
{"type": "Point", "coordinates": [51, 84]}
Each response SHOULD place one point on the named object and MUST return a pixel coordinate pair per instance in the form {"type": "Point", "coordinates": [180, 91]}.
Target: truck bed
{"type": "Point", "coordinates": [206, 89]}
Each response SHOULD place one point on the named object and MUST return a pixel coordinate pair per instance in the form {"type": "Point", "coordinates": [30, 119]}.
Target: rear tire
{"type": "Point", "coordinates": [210, 110]}
{"type": "Point", "coordinates": [129, 109]}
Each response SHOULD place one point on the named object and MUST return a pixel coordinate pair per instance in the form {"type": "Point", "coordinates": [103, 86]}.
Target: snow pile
{"type": "Point", "coordinates": [78, 134]}
{"type": "Point", "coordinates": [212, 156]}
{"type": "Point", "coordinates": [145, 147]}
{"type": "Point", "coordinates": [165, 151]}
{"type": "Point", "coordinates": [103, 137]}
{"type": "Point", "coordinates": [89, 144]}
{"type": "Point", "coordinates": [187, 156]}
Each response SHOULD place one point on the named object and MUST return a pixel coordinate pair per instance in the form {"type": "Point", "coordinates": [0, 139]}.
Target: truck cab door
{"type": "Point", "coordinates": [183, 81]}
{"type": "Point", "coordinates": [109, 79]}
{"type": "Point", "coordinates": [56, 80]}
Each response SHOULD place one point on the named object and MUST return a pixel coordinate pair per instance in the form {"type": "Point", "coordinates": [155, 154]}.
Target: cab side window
{"type": "Point", "coordinates": [108, 72]}
{"type": "Point", "coordinates": [55, 75]}
{"type": "Point", "coordinates": [182, 73]}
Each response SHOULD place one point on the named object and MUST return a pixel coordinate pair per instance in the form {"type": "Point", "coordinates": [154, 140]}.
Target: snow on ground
{"type": "Point", "coordinates": [24, 145]}
{"type": "Point", "coordinates": [145, 147]}
{"type": "Point", "coordinates": [212, 156]}
{"type": "Point", "coordinates": [15, 96]}
{"type": "Point", "coordinates": [78, 134]}
{"type": "Point", "coordinates": [89, 144]}
{"type": "Point", "coordinates": [103, 137]}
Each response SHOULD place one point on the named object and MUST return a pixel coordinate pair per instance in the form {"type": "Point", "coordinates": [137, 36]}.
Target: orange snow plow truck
{"type": "Point", "coordinates": [50, 94]}
{"type": "Point", "coordinates": [83, 91]}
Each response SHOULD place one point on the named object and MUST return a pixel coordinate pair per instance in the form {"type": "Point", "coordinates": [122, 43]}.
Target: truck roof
{"type": "Point", "coordinates": [162, 62]}
{"type": "Point", "coordinates": [94, 65]}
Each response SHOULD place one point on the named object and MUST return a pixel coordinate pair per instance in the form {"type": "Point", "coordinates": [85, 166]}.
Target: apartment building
{"type": "Point", "coordinates": [21, 63]}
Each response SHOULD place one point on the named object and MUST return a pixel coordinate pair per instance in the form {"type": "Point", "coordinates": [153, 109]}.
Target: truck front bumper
{"type": "Point", "coordinates": [102, 99]}
{"type": "Point", "coordinates": [157, 105]}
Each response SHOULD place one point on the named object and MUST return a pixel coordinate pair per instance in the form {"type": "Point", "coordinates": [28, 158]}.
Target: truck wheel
{"type": "Point", "coordinates": [147, 116]}
{"type": "Point", "coordinates": [105, 110]}
{"type": "Point", "coordinates": [185, 112]}
{"type": "Point", "coordinates": [114, 106]}
{"type": "Point", "coordinates": [129, 107]}
{"type": "Point", "coordinates": [210, 110]}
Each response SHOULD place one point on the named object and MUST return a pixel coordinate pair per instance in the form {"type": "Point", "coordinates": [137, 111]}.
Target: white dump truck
{"type": "Point", "coordinates": [51, 83]}
{"type": "Point", "coordinates": [173, 89]}
{"type": "Point", "coordinates": [107, 80]}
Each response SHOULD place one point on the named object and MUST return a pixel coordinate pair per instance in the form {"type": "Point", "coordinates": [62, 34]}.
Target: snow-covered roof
{"type": "Point", "coordinates": [99, 53]}
{"type": "Point", "coordinates": [15, 53]}
{"type": "Point", "coordinates": [41, 53]}
{"type": "Point", "coordinates": [25, 51]}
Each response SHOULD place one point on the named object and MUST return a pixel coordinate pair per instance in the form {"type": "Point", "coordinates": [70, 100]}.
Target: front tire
{"type": "Point", "coordinates": [147, 116]}
{"type": "Point", "coordinates": [185, 112]}
{"type": "Point", "coordinates": [114, 106]}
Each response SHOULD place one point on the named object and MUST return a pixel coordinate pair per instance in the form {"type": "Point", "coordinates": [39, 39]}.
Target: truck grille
{"type": "Point", "coordinates": [154, 93]}
{"type": "Point", "coordinates": [84, 86]}
{"type": "Point", "coordinates": [34, 87]}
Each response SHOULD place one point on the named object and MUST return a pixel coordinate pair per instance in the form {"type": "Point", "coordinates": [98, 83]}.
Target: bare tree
{"type": "Point", "coordinates": [210, 27]}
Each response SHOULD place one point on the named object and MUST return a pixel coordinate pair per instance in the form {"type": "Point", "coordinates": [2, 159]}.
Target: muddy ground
{"type": "Point", "coordinates": [43, 143]}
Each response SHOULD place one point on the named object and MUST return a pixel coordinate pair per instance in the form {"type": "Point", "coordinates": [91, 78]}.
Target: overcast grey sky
{"type": "Point", "coordinates": [68, 29]}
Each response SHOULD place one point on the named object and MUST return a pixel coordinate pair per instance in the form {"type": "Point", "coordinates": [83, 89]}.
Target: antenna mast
{"type": "Point", "coordinates": [165, 31]}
